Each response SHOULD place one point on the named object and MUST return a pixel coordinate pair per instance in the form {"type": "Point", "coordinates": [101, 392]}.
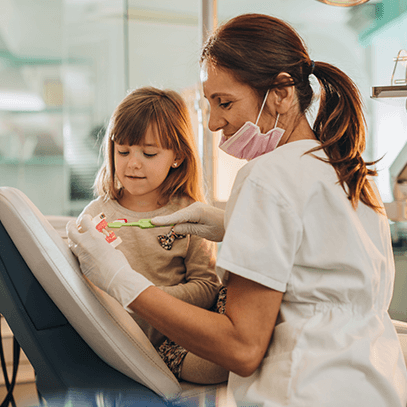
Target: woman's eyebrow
{"type": "Point", "coordinates": [220, 94]}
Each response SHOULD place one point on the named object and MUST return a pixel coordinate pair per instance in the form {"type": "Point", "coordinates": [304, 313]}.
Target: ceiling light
{"type": "Point", "coordinates": [344, 3]}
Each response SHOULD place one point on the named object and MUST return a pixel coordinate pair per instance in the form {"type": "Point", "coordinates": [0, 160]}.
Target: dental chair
{"type": "Point", "coordinates": [84, 347]}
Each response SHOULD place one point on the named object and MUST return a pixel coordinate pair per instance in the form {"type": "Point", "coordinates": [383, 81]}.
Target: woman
{"type": "Point", "coordinates": [306, 245]}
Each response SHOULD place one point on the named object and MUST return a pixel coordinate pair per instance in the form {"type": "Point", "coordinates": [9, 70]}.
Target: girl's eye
{"type": "Point", "coordinates": [150, 155]}
{"type": "Point", "coordinates": [124, 153]}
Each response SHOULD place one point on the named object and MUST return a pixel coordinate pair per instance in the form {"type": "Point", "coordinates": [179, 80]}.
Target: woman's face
{"type": "Point", "coordinates": [231, 102]}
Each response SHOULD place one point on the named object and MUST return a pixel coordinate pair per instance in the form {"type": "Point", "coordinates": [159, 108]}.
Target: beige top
{"type": "Point", "coordinates": [187, 271]}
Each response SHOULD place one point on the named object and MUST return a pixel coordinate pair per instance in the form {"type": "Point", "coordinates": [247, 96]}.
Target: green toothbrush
{"type": "Point", "coordinates": [142, 224]}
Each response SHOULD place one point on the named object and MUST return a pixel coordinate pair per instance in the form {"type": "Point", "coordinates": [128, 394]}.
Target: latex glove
{"type": "Point", "coordinates": [196, 219]}
{"type": "Point", "coordinates": [103, 265]}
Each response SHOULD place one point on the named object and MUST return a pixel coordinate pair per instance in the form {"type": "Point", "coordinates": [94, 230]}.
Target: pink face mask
{"type": "Point", "coordinates": [248, 142]}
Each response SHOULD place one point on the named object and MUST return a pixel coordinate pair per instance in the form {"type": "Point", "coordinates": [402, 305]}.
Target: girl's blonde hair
{"type": "Point", "coordinates": [167, 111]}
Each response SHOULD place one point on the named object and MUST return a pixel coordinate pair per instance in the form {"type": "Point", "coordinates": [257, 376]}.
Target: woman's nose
{"type": "Point", "coordinates": [216, 122]}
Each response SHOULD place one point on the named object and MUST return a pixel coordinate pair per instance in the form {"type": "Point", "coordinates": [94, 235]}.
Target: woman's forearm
{"type": "Point", "coordinates": [236, 340]}
{"type": "Point", "coordinates": [185, 323]}
{"type": "Point", "coordinates": [202, 293]}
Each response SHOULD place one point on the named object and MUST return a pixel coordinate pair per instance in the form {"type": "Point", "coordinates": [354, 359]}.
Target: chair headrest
{"type": "Point", "coordinates": [101, 321]}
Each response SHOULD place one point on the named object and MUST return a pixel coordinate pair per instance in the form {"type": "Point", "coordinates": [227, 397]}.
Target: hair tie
{"type": "Point", "coordinates": [312, 67]}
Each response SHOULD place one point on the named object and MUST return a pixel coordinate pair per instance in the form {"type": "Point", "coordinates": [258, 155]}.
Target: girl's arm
{"type": "Point", "coordinates": [201, 283]}
{"type": "Point", "coordinates": [237, 340]}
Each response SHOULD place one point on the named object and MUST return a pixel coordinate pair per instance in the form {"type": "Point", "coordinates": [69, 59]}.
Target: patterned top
{"type": "Point", "coordinates": [187, 271]}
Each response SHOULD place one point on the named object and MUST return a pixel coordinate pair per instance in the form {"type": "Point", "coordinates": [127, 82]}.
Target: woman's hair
{"type": "Point", "coordinates": [256, 48]}
{"type": "Point", "coordinates": [167, 111]}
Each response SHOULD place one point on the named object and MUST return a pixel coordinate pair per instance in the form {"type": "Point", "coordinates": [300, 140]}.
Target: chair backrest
{"type": "Point", "coordinates": [75, 335]}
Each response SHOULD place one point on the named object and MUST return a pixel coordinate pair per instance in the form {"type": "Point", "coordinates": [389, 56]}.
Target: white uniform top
{"type": "Point", "coordinates": [290, 227]}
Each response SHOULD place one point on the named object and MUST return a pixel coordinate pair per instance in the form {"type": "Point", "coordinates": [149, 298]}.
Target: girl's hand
{"type": "Point", "coordinates": [197, 219]}
{"type": "Point", "coordinates": [102, 264]}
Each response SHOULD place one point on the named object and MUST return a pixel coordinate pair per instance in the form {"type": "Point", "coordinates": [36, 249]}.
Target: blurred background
{"type": "Point", "coordinates": [66, 64]}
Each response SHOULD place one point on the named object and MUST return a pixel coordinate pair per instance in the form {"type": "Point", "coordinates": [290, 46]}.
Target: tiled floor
{"type": "Point", "coordinates": [25, 392]}
{"type": "Point", "coordinates": [25, 395]}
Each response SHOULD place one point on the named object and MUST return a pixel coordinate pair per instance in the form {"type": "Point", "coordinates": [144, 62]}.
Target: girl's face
{"type": "Point", "coordinates": [231, 102]}
{"type": "Point", "coordinates": [142, 169]}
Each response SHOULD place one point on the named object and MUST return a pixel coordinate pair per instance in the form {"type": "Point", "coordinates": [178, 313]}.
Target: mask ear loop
{"type": "Point", "coordinates": [278, 115]}
{"type": "Point", "coordinates": [262, 106]}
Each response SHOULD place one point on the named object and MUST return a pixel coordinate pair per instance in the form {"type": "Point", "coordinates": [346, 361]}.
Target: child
{"type": "Point", "coordinates": [151, 167]}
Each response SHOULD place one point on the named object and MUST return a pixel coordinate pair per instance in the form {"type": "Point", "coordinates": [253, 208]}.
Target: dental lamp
{"type": "Point", "coordinates": [397, 210]}
{"type": "Point", "coordinates": [398, 86]}
{"type": "Point", "coordinates": [344, 3]}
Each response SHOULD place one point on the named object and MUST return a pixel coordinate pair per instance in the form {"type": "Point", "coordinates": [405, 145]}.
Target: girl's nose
{"type": "Point", "coordinates": [135, 161]}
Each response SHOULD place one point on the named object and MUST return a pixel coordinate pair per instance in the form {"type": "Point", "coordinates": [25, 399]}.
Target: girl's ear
{"type": "Point", "coordinates": [282, 97]}
{"type": "Point", "coordinates": [177, 162]}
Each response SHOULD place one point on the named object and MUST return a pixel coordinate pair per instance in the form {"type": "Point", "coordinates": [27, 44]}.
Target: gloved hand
{"type": "Point", "coordinates": [102, 264]}
{"type": "Point", "coordinates": [196, 219]}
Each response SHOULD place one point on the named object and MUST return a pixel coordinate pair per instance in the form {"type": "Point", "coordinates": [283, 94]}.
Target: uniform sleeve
{"type": "Point", "coordinates": [263, 234]}
{"type": "Point", "coordinates": [201, 284]}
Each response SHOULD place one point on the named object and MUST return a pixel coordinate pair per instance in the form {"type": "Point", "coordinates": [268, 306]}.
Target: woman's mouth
{"type": "Point", "coordinates": [227, 136]}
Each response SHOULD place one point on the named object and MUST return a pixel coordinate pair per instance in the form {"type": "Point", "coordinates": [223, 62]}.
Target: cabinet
{"type": "Point", "coordinates": [42, 153]}
{"type": "Point", "coordinates": [80, 58]}
{"type": "Point", "coordinates": [31, 130]}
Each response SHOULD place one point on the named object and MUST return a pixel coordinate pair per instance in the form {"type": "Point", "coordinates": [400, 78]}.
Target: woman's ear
{"type": "Point", "coordinates": [282, 97]}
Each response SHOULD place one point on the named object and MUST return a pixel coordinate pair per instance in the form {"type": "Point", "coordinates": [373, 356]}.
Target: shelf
{"type": "Point", "coordinates": [394, 91]}
{"type": "Point", "coordinates": [29, 60]}
{"type": "Point", "coordinates": [39, 160]}
{"type": "Point", "coordinates": [50, 110]}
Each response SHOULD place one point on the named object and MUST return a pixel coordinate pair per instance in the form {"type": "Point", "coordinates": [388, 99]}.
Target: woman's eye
{"type": "Point", "coordinates": [225, 105]}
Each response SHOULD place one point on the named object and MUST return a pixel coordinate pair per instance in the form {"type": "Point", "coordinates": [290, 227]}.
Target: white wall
{"type": "Point", "coordinates": [163, 55]}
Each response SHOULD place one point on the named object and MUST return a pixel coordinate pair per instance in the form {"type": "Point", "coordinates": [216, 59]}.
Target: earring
{"type": "Point", "coordinates": [174, 165]}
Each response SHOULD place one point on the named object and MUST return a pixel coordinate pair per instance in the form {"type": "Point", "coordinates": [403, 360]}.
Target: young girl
{"type": "Point", "coordinates": [151, 167]}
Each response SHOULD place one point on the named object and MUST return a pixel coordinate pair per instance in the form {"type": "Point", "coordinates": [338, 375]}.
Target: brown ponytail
{"type": "Point", "coordinates": [256, 48]}
{"type": "Point", "coordinates": [340, 127]}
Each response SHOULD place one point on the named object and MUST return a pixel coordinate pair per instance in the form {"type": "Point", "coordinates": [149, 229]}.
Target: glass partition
{"type": "Point", "coordinates": [72, 65]}
{"type": "Point", "coordinates": [94, 82]}
{"type": "Point", "coordinates": [61, 81]}
{"type": "Point", "coordinates": [112, 47]}
{"type": "Point", "coordinates": [31, 103]}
